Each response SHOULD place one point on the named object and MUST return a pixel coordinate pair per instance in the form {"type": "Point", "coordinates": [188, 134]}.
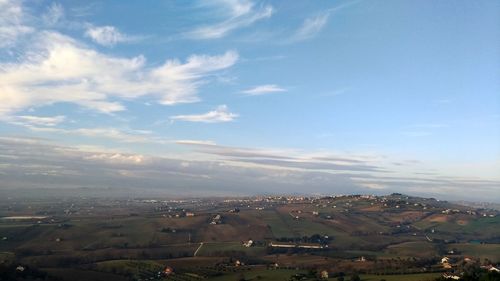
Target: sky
{"type": "Point", "coordinates": [243, 97]}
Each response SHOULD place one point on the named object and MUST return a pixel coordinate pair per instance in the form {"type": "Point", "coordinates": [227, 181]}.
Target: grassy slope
{"type": "Point", "coordinates": [489, 251]}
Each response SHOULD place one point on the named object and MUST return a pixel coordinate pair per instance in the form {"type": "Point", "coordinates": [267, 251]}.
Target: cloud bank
{"type": "Point", "coordinates": [36, 163]}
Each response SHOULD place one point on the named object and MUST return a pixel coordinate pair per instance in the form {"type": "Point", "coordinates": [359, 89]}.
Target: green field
{"type": "Point", "coordinates": [412, 249]}
{"type": "Point", "coordinates": [307, 227]}
{"type": "Point", "coordinates": [403, 277]}
{"type": "Point", "coordinates": [483, 251]}
{"type": "Point", "coordinates": [229, 249]}
{"type": "Point", "coordinates": [285, 274]}
{"type": "Point", "coordinates": [278, 227]}
{"type": "Point", "coordinates": [485, 226]}
{"type": "Point", "coordinates": [84, 275]}
{"type": "Point", "coordinates": [132, 268]}
{"type": "Point", "coordinates": [271, 275]}
{"type": "Point", "coordinates": [481, 228]}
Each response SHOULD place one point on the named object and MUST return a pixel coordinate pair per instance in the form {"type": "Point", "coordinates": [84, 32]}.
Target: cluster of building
{"type": "Point", "coordinates": [217, 219]}
{"type": "Point", "coordinates": [450, 265]}
{"type": "Point", "coordinates": [490, 214]}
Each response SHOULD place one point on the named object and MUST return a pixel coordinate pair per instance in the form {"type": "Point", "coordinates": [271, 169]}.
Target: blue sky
{"type": "Point", "coordinates": [252, 97]}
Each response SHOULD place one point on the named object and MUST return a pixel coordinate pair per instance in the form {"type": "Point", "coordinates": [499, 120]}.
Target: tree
{"type": "Point", "coordinates": [355, 277]}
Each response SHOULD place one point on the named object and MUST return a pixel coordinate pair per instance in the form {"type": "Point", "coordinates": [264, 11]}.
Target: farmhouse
{"type": "Point", "coordinates": [248, 243]}
{"type": "Point", "coordinates": [361, 259]}
{"type": "Point", "coordinates": [168, 270]}
{"type": "Point", "coordinates": [20, 268]}
{"type": "Point", "coordinates": [217, 219]}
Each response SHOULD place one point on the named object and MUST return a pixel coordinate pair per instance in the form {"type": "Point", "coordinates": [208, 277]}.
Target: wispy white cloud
{"type": "Point", "coordinates": [110, 133]}
{"type": "Point", "coordinates": [242, 13]}
{"type": "Point", "coordinates": [220, 114]}
{"type": "Point", "coordinates": [48, 121]}
{"type": "Point", "coordinates": [84, 10]}
{"type": "Point", "coordinates": [195, 142]}
{"type": "Point", "coordinates": [54, 13]}
{"type": "Point", "coordinates": [61, 69]}
{"type": "Point", "coordinates": [288, 159]}
{"type": "Point", "coordinates": [106, 35]}
{"type": "Point", "coordinates": [311, 26]}
{"type": "Point", "coordinates": [12, 25]}
{"type": "Point", "coordinates": [335, 92]}
{"type": "Point", "coordinates": [264, 89]}
{"type": "Point", "coordinates": [118, 158]}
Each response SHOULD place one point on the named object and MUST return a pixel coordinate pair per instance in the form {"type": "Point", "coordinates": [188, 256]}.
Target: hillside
{"type": "Point", "coordinates": [205, 238]}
